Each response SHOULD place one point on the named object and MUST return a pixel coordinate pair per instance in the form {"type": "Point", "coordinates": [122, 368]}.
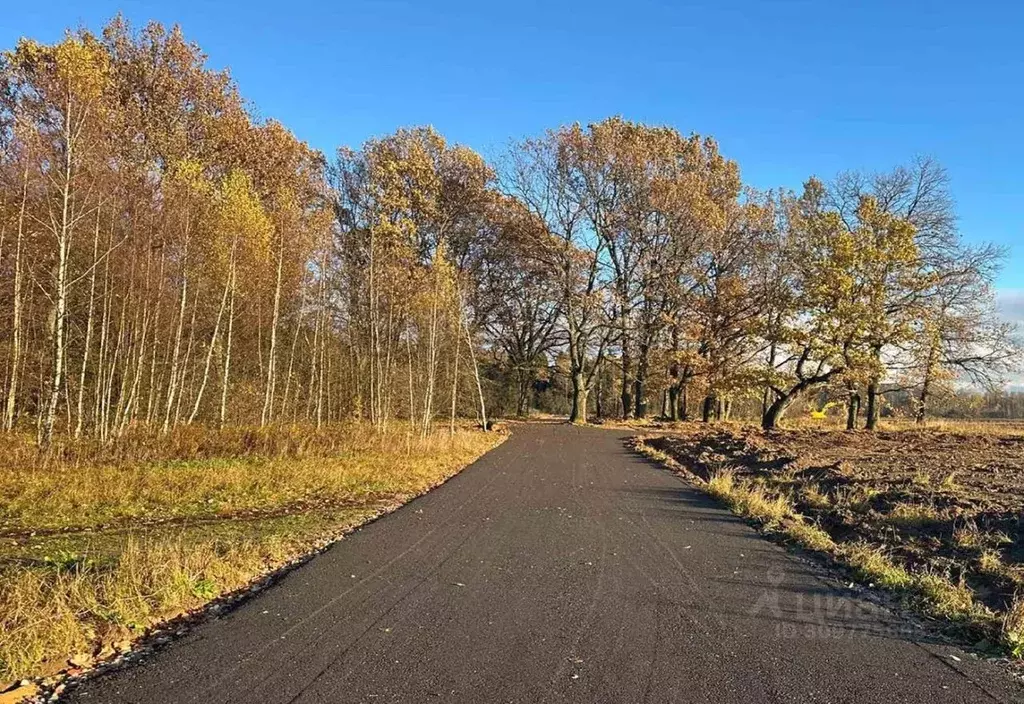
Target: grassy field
{"type": "Point", "coordinates": [101, 543]}
{"type": "Point", "coordinates": [933, 513]}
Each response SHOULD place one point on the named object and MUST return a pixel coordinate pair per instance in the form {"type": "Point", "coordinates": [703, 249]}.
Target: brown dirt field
{"type": "Point", "coordinates": [939, 501]}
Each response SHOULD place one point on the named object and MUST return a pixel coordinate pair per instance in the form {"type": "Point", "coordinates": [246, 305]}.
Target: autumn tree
{"type": "Point", "coordinates": [960, 335]}
{"type": "Point", "coordinates": [409, 210]}
{"type": "Point", "coordinates": [917, 194]}
{"type": "Point", "coordinates": [63, 91]}
{"type": "Point", "coordinates": [123, 167]}
{"type": "Point", "coordinates": [840, 279]}
{"type": "Point", "coordinates": [517, 297]}
{"type": "Point", "coordinates": [728, 301]}
{"type": "Point", "coordinates": [544, 174]}
{"type": "Point", "coordinates": [169, 259]}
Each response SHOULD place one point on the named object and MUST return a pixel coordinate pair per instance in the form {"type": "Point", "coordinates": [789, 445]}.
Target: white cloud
{"type": "Point", "coordinates": [1010, 302]}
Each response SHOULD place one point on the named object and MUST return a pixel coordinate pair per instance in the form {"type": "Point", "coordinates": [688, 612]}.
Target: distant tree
{"type": "Point", "coordinates": [544, 174]}
{"type": "Point", "coordinates": [960, 335]}
{"type": "Point", "coordinates": [517, 297]}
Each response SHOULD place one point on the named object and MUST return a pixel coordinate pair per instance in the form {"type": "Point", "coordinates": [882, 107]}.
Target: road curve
{"type": "Point", "coordinates": [558, 568]}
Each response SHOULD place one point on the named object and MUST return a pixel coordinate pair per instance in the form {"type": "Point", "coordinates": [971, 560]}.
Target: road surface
{"type": "Point", "coordinates": [558, 568]}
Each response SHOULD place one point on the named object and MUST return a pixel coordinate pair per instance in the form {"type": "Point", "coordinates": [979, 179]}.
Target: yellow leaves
{"type": "Point", "coordinates": [883, 237]}
{"type": "Point", "coordinates": [403, 179]}
{"type": "Point", "coordinates": [83, 65]}
{"type": "Point", "coordinates": [856, 276]}
{"type": "Point", "coordinates": [412, 191]}
{"type": "Point", "coordinates": [189, 175]}
{"type": "Point", "coordinates": [239, 214]}
{"type": "Point", "coordinates": [26, 54]}
{"type": "Point", "coordinates": [76, 68]}
{"type": "Point", "coordinates": [445, 279]}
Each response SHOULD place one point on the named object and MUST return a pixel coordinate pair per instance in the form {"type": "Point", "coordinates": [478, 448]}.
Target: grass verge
{"type": "Point", "coordinates": [97, 550]}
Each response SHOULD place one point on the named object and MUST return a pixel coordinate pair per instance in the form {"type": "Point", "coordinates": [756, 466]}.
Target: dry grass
{"type": "Point", "coordinates": [1012, 627]}
{"type": "Point", "coordinates": [945, 425]}
{"type": "Point", "coordinates": [812, 495]}
{"type": "Point", "coordinates": [936, 593]}
{"type": "Point", "coordinates": [856, 498]}
{"type": "Point", "coordinates": [773, 513]}
{"type": "Point", "coordinates": [144, 444]}
{"type": "Point", "coordinates": [260, 470]}
{"type": "Point", "coordinates": [975, 427]}
{"type": "Point", "coordinates": [1013, 428]}
{"type": "Point", "coordinates": [70, 611]}
{"type": "Point", "coordinates": [721, 484]}
{"type": "Point", "coordinates": [810, 536]}
{"type": "Point", "coordinates": [968, 536]}
{"type": "Point", "coordinates": [95, 548]}
{"type": "Point", "coordinates": [875, 567]}
{"type": "Point", "coordinates": [752, 502]}
{"type": "Point", "coordinates": [914, 514]}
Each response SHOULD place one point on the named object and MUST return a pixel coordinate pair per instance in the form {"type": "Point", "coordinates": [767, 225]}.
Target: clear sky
{"type": "Point", "coordinates": [790, 88]}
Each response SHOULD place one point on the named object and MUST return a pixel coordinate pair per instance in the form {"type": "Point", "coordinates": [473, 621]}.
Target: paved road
{"type": "Point", "coordinates": [559, 568]}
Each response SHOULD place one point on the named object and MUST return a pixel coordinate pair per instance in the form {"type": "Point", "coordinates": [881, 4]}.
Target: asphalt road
{"type": "Point", "coordinates": [558, 568]}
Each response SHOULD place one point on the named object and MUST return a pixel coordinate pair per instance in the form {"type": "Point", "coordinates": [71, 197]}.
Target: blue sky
{"type": "Point", "coordinates": [789, 88]}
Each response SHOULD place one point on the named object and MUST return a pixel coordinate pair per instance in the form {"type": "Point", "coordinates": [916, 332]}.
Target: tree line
{"type": "Point", "coordinates": [168, 259]}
